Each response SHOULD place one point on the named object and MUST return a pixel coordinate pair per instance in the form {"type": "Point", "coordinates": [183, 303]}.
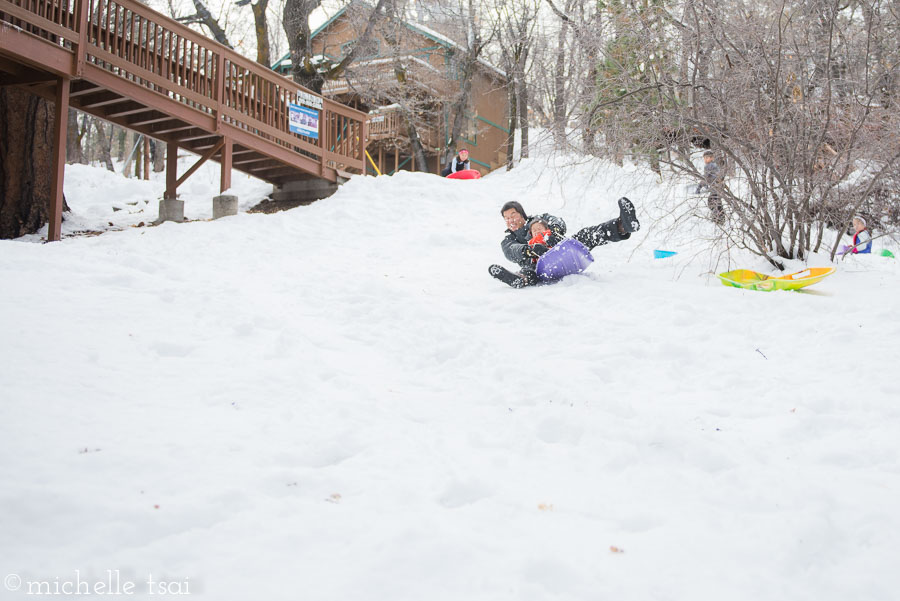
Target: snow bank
{"type": "Point", "coordinates": [337, 402]}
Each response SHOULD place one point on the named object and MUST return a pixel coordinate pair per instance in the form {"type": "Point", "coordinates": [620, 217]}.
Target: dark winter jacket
{"type": "Point", "coordinates": [515, 243]}
{"type": "Point", "coordinates": [712, 176]}
{"type": "Point", "coordinates": [711, 173]}
{"type": "Point", "coordinates": [456, 165]}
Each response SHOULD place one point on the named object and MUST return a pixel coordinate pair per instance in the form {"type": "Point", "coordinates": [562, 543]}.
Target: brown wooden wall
{"type": "Point", "coordinates": [489, 104]}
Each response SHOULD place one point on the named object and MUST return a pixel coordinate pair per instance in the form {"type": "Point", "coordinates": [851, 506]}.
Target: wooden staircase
{"type": "Point", "coordinates": [123, 62]}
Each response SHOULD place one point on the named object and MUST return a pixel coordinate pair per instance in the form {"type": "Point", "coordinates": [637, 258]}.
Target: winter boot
{"type": "Point", "coordinates": [628, 216]}
{"type": "Point", "coordinates": [598, 235]}
{"type": "Point", "coordinates": [506, 276]}
{"type": "Point", "coordinates": [526, 277]}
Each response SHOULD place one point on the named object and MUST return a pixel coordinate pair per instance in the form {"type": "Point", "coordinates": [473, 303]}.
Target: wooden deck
{"type": "Point", "coordinates": [388, 124]}
{"type": "Point", "coordinates": [123, 62]}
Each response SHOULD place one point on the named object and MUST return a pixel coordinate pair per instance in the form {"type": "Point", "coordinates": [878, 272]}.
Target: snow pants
{"type": "Point", "coordinates": [598, 235]}
{"type": "Point", "coordinates": [716, 210]}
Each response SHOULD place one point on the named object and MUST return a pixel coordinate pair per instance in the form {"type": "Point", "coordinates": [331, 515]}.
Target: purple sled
{"type": "Point", "coordinates": [566, 258]}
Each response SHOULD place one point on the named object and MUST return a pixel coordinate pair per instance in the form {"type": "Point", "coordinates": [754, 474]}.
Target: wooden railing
{"type": "Point", "coordinates": [161, 58]}
{"type": "Point", "coordinates": [389, 123]}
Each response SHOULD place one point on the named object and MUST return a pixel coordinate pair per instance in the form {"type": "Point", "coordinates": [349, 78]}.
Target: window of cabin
{"type": "Point", "coordinates": [469, 131]}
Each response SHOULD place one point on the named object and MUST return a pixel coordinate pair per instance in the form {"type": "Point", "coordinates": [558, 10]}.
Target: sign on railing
{"type": "Point", "coordinates": [305, 121]}
{"type": "Point", "coordinates": [309, 99]}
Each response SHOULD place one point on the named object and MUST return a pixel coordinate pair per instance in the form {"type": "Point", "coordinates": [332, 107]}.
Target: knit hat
{"type": "Point", "coordinates": [534, 220]}
{"type": "Point", "coordinates": [513, 205]}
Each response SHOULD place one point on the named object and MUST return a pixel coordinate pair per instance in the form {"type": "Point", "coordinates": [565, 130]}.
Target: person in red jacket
{"type": "Point", "coordinates": [862, 239]}
{"type": "Point", "coordinates": [542, 239]}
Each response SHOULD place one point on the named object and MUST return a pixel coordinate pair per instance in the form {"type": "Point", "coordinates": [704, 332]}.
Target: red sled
{"type": "Point", "coordinates": [465, 174]}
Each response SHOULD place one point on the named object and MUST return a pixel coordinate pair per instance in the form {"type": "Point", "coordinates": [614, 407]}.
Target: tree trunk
{"type": "Point", "coordinates": [263, 54]}
{"type": "Point", "coordinates": [415, 143]}
{"type": "Point", "coordinates": [139, 160]}
{"type": "Point", "coordinates": [127, 156]}
{"type": "Point", "coordinates": [122, 148]}
{"type": "Point", "coordinates": [26, 150]}
{"type": "Point", "coordinates": [460, 106]}
{"type": "Point", "coordinates": [295, 19]}
{"type": "Point", "coordinates": [559, 88]}
{"type": "Point", "coordinates": [522, 101]}
{"type": "Point", "coordinates": [103, 142]}
{"type": "Point", "coordinates": [158, 154]}
{"type": "Point", "coordinates": [512, 101]}
{"type": "Point", "coordinates": [74, 151]}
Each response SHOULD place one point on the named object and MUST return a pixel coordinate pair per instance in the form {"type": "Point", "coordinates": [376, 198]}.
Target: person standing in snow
{"type": "Point", "coordinates": [459, 163]}
{"type": "Point", "coordinates": [862, 239]}
{"type": "Point", "coordinates": [521, 229]}
{"type": "Point", "coordinates": [712, 179]}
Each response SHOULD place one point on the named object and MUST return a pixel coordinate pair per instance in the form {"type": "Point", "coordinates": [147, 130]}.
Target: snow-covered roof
{"type": "Point", "coordinates": [446, 41]}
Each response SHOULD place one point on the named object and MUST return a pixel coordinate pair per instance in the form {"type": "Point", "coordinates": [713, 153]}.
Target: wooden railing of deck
{"type": "Point", "coordinates": [133, 51]}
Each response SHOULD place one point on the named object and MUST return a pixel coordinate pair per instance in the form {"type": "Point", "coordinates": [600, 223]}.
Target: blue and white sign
{"type": "Point", "coordinates": [304, 121]}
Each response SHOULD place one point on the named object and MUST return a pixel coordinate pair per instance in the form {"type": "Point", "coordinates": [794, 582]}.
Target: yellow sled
{"type": "Point", "coordinates": [751, 280]}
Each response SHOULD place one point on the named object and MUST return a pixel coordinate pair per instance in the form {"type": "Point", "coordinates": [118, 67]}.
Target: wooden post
{"type": "Point", "coordinates": [61, 110]}
{"type": "Point", "coordinates": [219, 89]}
{"type": "Point", "coordinates": [396, 158]}
{"type": "Point", "coordinates": [171, 171]}
{"type": "Point", "coordinates": [412, 159]}
{"type": "Point", "coordinates": [81, 20]}
{"type": "Point", "coordinates": [146, 158]}
{"type": "Point", "coordinates": [225, 163]}
{"type": "Point", "coordinates": [381, 158]}
{"type": "Point", "coordinates": [326, 134]}
{"type": "Point", "coordinates": [363, 134]}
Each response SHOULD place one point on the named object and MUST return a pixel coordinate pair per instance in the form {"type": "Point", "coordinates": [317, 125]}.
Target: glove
{"type": "Point", "coordinates": [557, 229]}
{"type": "Point", "coordinates": [554, 239]}
{"type": "Point", "coordinates": [534, 252]}
{"type": "Point", "coordinates": [539, 249]}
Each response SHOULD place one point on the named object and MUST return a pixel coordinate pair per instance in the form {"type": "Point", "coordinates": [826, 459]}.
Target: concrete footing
{"type": "Point", "coordinates": [225, 205]}
{"type": "Point", "coordinates": [171, 210]}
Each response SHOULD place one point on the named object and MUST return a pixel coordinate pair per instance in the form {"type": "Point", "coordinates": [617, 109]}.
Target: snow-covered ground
{"type": "Point", "coordinates": [338, 403]}
{"type": "Point", "coordinates": [101, 200]}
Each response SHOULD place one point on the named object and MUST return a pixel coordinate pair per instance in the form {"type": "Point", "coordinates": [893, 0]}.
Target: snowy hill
{"type": "Point", "coordinates": [337, 402]}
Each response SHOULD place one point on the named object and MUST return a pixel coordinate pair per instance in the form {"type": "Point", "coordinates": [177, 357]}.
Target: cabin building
{"type": "Point", "coordinates": [430, 63]}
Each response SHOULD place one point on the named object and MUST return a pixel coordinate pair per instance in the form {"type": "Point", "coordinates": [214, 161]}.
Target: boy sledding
{"type": "Point", "coordinates": [529, 240]}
